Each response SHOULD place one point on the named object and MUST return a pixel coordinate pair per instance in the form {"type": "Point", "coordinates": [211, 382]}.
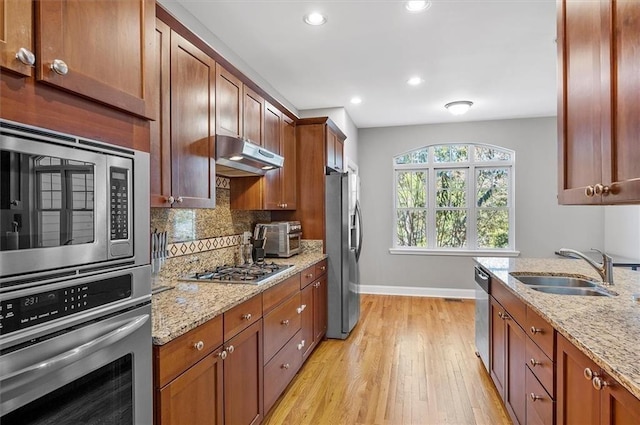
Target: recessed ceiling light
{"type": "Point", "coordinates": [458, 107]}
{"type": "Point", "coordinates": [356, 100]}
{"type": "Point", "coordinates": [414, 81]}
{"type": "Point", "coordinates": [315, 19]}
{"type": "Point", "coordinates": [417, 6]}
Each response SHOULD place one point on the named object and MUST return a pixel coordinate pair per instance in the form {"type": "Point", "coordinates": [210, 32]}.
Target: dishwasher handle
{"type": "Point", "coordinates": [482, 278]}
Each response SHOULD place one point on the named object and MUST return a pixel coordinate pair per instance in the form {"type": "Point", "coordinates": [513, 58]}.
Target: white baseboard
{"type": "Point", "coordinates": [413, 291]}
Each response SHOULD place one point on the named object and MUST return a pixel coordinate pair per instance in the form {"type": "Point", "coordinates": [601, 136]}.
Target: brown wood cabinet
{"type": "Point", "coordinates": [580, 401]}
{"type": "Point", "coordinates": [15, 34]}
{"type": "Point", "coordinates": [598, 108]}
{"type": "Point", "coordinates": [335, 149]}
{"type": "Point", "coordinates": [253, 115]}
{"type": "Point", "coordinates": [313, 299]}
{"type": "Point", "coordinates": [228, 103]}
{"type": "Point", "coordinates": [101, 50]}
{"type": "Point", "coordinates": [183, 139]}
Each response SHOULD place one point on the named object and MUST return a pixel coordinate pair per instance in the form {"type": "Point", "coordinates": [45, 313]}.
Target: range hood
{"type": "Point", "coordinates": [236, 157]}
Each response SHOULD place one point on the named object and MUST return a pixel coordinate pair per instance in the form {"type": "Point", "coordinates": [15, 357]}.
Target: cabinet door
{"type": "Point", "coordinates": [192, 125]}
{"type": "Point", "coordinates": [228, 103]}
{"type": "Point", "coordinates": [576, 400]}
{"type": "Point", "coordinates": [331, 148]}
{"type": "Point", "coordinates": [514, 392]}
{"type": "Point", "coordinates": [497, 346]}
{"type": "Point", "coordinates": [16, 32]}
{"type": "Point", "coordinates": [272, 132]}
{"type": "Point", "coordinates": [253, 116]}
{"type": "Point", "coordinates": [320, 309]}
{"type": "Point", "coordinates": [160, 129]}
{"type": "Point", "coordinates": [580, 100]}
{"type": "Point", "coordinates": [288, 176]}
{"type": "Point", "coordinates": [195, 397]}
{"type": "Point", "coordinates": [339, 155]}
{"type": "Point", "coordinates": [618, 406]}
{"type": "Point", "coordinates": [243, 377]}
{"type": "Point", "coordinates": [306, 320]}
{"type": "Point", "coordinates": [107, 47]}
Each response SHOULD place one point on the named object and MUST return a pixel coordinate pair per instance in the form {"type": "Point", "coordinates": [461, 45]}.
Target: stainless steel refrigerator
{"type": "Point", "coordinates": [343, 246]}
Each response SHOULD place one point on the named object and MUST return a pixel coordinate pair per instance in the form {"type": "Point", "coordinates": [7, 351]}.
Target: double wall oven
{"type": "Point", "coordinates": [75, 286]}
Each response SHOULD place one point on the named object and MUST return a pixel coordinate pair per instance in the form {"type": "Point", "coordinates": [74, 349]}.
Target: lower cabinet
{"type": "Point", "coordinates": [314, 306]}
{"type": "Point", "coordinates": [586, 395]}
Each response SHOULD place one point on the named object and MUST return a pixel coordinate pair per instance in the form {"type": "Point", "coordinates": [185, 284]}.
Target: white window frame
{"type": "Point", "coordinates": [471, 166]}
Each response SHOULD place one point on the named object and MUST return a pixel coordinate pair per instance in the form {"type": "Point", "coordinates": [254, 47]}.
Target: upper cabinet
{"type": "Point", "coordinates": [16, 36]}
{"type": "Point", "coordinates": [183, 137]}
{"type": "Point", "coordinates": [598, 104]}
{"type": "Point", "coordinates": [253, 118]}
{"type": "Point", "coordinates": [101, 50]}
{"type": "Point", "coordinates": [335, 148]}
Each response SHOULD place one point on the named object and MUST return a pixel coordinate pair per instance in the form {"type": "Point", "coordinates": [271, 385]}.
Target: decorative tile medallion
{"type": "Point", "coordinates": [193, 247]}
{"type": "Point", "coordinates": [223, 183]}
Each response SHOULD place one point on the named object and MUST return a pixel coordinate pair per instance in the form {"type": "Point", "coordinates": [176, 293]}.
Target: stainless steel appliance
{"type": "Point", "coordinates": [236, 157]}
{"type": "Point", "coordinates": [282, 238]}
{"type": "Point", "coordinates": [255, 274]}
{"type": "Point", "coordinates": [343, 247]}
{"type": "Point", "coordinates": [67, 203]}
{"type": "Point", "coordinates": [483, 284]}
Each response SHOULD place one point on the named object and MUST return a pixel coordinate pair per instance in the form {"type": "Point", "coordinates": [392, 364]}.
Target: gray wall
{"type": "Point", "coordinates": [541, 225]}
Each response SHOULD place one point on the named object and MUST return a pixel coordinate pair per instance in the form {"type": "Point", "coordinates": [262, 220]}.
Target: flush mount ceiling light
{"type": "Point", "coordinates": [459, 107]}
{"type": "Point", "coordinates": [417, 6]}
{"type": "Point", "coordinates": [356, 100]}
{"type": "Point", "coordinates": [315, 19]}
{"type": "Point", "coordinates": [415, 81]}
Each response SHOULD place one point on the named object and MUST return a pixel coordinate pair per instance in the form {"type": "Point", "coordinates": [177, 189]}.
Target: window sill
{"type": "Point", "coordinates": [454, 253]}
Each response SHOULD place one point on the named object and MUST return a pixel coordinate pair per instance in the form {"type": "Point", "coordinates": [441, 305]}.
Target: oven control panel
{"type": "Point", "coordinates": [30, 310]}
{"type": "Point", "coordinates": [119, 199]}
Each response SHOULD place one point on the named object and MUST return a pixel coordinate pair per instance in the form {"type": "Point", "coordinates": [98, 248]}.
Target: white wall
{"type": "Point", "coordinates": [541, 225]}
{"type": "Point", "coordinates": [622, 231]}
{"type": "Point", "coordinates": [342, 119]}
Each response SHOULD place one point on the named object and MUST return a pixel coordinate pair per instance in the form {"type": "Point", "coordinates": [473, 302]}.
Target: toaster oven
{"type": "Point", "coordinates": [282, 238]}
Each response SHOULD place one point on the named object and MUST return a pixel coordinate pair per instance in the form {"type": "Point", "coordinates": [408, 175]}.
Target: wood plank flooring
{"type": "Point", "coordinates": [410, 360]}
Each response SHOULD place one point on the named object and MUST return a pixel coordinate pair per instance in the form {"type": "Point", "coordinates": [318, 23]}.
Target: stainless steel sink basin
{"type": "Point", "coordinates": [566, 290]}
{"type": "Point", "coordinates": [562, 281]}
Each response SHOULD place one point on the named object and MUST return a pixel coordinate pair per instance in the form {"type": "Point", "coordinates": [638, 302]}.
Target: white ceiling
{"type": "Point", "coordinates": [500, 54]}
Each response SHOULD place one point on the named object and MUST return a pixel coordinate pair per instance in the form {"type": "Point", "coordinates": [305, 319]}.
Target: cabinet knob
{"type": "Point", "coordinates": [535, 330]}
{"type": "Point", "coordinates": [301, 308]}
{"type": "Point", "coordinates": [198, 345]}
{"type": "Point", "coordinates": [285, 366]}
{"type": "Point", "coordinates": [26, 56]}
{"type": "Point", "coordinates": [170, 200]}
{"type": "Point", "coordinates": [599, 189]}
{"type": "Point", "coordinates": [323, 268]}
{"type": "Point", "coordinates": [589, 374]}
{"type": "Point", "coordinates": [231, 349]}
{"type": "Point", "coordinates": [285, 322]}
{"type": "Point", "coordinates": [535, 397]}
{"type": "Point", "coordinates": [179, 200]}
{"type": "Point", "coordinates": [59, 67]}
{"type": "Point", "coordinates": [246, 316]}
{"type": "Point", "coordinates": [503, 316]}
{"type": "Point", "coordinates": [599, 383]}
{"type": "Point", "coordinates": [301, 345]}
{"type": "Point", "coordinates": [317, 284]}
{"type": "Point", "coordinates": [308, 276]}
{"type": "Point", "coordinates": [14, 202]}
{"type": "Point", "coordinates": [534, 362]}
{"type": "Point", "coordinates": [589, 191]}
{"type": "Point", "coordinates": [222, 354]}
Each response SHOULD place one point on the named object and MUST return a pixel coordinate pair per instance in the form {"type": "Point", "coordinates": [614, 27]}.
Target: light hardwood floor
{"type": "Point", "coordinates": [410, 360]}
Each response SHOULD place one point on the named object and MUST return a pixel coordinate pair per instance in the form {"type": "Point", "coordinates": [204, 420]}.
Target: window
{"type": "Point", "coordinates": [454, 197]}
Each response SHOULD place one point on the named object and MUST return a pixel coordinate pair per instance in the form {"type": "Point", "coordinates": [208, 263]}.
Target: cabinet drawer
{"type": "Point", "coordinates": [281, 370]}
{"type": "Point", "coordinates": [540, 331]}
{"type": "Point", "coordinates": [283, 290]}
{"type": "Point", "coordinates": [280, 325]}
{"type": "Point", "coordinates": [516, 308]}
{"type": "Point", "coordinates": [178, 355]}
{"type": "Point", "coordinates": [308, 275]}
{"type": "Point", "coordinates": [539, 403]}
{"type": "Point", "coordinates": [242, 316]}
{"type": "Point", "coordinates": [321, 268]}
{"type": "Point", "coordinates": [540, 365]}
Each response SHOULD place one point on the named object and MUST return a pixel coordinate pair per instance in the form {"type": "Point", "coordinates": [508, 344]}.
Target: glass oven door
{"type": "Point", "coordinates": [98, 372]}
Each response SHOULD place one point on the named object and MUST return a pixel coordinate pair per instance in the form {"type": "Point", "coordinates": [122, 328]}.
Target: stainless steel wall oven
{"type": "Point", "coordinates": [75, 280]}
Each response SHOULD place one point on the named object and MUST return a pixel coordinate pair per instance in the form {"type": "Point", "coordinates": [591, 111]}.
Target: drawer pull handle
{"type": "Point", "coordinates": [534, 363]}
{"type": "Point", "coordinates": [198, 345]}
{"type": "Point", "coordinates": [246, 316]}
{"type": "Point", "coordinates": [301, 308]}
{"type": "Point", "coordinates": [301, 345]}
{"type": "Point", "coordinates": [535, 397]}
{"type": "Point", "coordinates": [535, 330]}
{"type": "Point", "coordinates": [285, 322]}
{"type": "Point", "coordinates": [599, 383]}
{"type": "Point", "coordinates": [222, 354]}
{"type": "Point", "coordinates": [285, 366]}
{"type": "Point", "coordinates": [231, 349]}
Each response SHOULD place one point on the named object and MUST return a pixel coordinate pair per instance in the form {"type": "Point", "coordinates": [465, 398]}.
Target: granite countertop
{"type": "Point", "coordinates": [190, 304]}
{"type": "Point", "coordinates": [606, 329]}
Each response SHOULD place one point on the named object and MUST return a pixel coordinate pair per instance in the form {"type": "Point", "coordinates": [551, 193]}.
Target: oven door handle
{"type": "Point", "coordinates": [45, 366]}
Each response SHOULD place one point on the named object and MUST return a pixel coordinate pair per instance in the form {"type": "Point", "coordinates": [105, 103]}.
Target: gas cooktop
{"type": "Point", "coordinates": [253, 274]}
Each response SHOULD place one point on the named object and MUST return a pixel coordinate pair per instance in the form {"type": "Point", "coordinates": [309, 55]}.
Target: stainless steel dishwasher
{"type": "Point", "coordinates": [483, 283]}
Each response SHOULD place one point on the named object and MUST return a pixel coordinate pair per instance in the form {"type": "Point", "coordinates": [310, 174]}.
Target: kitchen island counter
{"type": "Point", "coordinates": [606, 329]}
{"type": "Point", "coordinates": [190, 304]}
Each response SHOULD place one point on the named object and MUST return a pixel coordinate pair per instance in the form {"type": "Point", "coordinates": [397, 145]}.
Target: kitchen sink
{"type": "Point", "coordinates": [567, 290]}
{"type": "Point", "coordinates": [562, 281]}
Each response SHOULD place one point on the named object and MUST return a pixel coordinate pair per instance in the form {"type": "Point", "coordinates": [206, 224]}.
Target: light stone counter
{"type": "Point", "coordinates": [606, 329]}
{"type": "Point", "coordinates": [190, 304]}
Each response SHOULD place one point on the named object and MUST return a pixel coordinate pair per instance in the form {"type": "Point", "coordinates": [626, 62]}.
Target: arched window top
{"type": "Point", "coordinates": [455, 153]}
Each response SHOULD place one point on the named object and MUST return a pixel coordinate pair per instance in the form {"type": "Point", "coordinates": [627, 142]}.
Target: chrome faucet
{"type": "Point", "coordinates": [605, 270]}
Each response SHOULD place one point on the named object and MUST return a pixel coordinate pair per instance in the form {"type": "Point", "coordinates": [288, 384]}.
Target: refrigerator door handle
{"type": "Point", "coordinates": [359, 215]}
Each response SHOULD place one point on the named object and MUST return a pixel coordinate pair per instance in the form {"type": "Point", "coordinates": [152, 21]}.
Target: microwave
{"type": "Point", "coordinates": [282, 238]}
{"type": "Point", "coordinates": [69, 204]}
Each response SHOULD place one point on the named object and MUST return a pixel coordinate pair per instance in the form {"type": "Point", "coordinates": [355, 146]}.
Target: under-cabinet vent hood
{"type": "Point", "coordinates": [236, 157]}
